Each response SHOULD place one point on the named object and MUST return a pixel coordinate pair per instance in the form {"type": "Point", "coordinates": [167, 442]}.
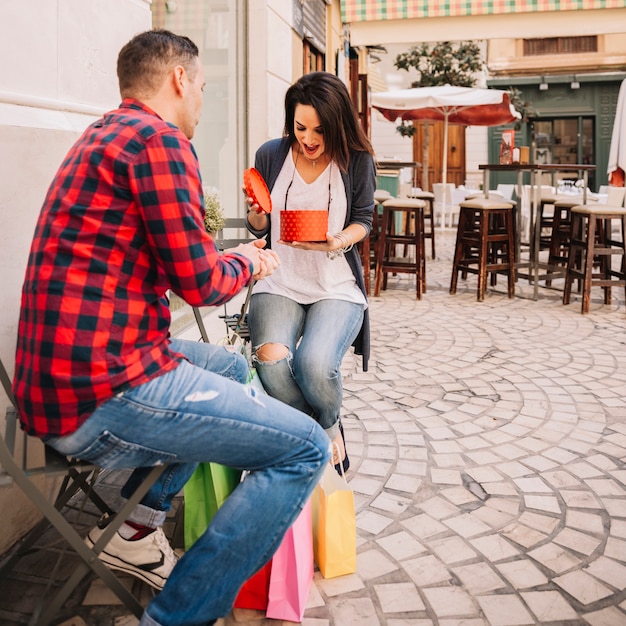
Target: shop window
{"type": "Point", "coordinates": [565, 140]}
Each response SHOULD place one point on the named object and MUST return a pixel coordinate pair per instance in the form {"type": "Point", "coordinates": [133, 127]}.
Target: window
{"type": "Point", "coordinates": [565, 140]}
{"type": "Point", "coordinates": [215, 26]}
{"type": "Point", "coordinates": [312, 28]}
{"type": "Point", "coordinates": [312, 58]}
{"type": "Point", "coordinates": [560, 45]}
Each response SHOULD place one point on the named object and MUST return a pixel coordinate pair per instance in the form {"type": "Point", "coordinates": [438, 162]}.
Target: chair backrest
{"type": "Point", "coordinates": [615, 196]}
{"type": "Point", "coordinates": [380, 195]}
{"type": "Point", "coordinates": [233, 233]}
{"type": "Point", "coordinates": [506, 190]}
{"type": "Point", "coordinates": [438, 191]}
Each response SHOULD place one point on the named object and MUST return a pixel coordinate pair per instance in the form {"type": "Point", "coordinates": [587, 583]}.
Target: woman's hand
{"type": "Point", "coordinates": [319, 246]}
{"type": "Point", "coordinates": [331, 243]}
{"type": "Point", "coordinates": [334, 243]}
{"type": "Point", "coordinates": [257, 217]}
{"type": "Point", "coordinates": [264, 261]}
{"type": "Point", "coordinates": [251, 203]}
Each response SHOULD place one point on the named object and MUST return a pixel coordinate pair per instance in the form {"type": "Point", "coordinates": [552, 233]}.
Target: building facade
{"type": "Point", "coordinates": [59, 76]}
{"type": "Point", "coordinates": [566, 58]}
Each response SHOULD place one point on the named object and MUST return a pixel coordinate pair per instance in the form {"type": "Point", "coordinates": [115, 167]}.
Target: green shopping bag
{"type": "Point", "coordinates": [205, 492]}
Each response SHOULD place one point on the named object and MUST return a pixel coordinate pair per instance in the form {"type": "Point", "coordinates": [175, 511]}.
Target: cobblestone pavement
{"type": "Point", "coordinates": [488, 443]}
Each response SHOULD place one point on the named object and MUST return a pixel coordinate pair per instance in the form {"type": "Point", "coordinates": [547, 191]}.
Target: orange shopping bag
{"type": "Point", "coordinates": [334, 525]}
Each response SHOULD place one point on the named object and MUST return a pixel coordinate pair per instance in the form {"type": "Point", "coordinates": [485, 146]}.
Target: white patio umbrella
{"type": "Point", "coordinates": [472, 106]}
{"type": "Point", "coordinates": [617, 152]}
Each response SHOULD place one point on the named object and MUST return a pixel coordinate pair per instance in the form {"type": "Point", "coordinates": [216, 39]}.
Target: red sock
{"type": "Point", "coordinates": [141, 531]}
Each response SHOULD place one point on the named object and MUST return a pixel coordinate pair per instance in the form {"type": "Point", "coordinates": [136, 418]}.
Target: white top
{"type": "Point", "coordinates": [308, 276]}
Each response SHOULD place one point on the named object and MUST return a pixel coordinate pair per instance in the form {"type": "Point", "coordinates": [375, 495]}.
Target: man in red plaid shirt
{"type": "Point", "coordinates": [99, 378]}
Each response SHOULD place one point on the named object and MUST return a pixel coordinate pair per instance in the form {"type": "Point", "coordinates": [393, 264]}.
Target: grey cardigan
{"type": "Point", "coordinates": [360, 184]}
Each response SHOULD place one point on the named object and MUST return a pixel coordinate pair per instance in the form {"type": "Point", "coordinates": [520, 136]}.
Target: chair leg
{"type": "Point", "coordinates": [510, 252]}
{"type": "Point", "coordinates": [87, 554]}
{"type": "Point", "coordinates": [574, 259]}
{"type": "Point", "coordinates": [381, 253]}
{"type": "Point", "coordinates": [458, 252]}
{"type": "Point", "coordinates": [482, 257]}
{"type": "Point", "coordinates": [431, 232]}
{"type": "Point", "coordinates": [588, 263]}
{"type": "Point", "coordinates": [623, 264]}
{"type": "Point", "coordinates": [420, 261]}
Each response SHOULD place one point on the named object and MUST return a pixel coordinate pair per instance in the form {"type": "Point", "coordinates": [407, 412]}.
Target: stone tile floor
{"type": "Point", "coordinates": [488, 449]}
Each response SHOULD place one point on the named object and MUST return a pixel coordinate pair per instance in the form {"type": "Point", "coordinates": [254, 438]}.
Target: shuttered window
{"type": "Point", "coordinates": [560, 45]}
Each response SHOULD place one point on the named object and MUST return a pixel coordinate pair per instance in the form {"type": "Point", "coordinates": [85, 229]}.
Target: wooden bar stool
{"type": "Point", "coordinates": [561, 226]}
{"type": "Point", "coordinates": [410, 233]}
{"type": "Point", "coordinates": [485, 243]}
{"type": "Point", "coordinates": [429, 215]}
{"type": "Point", "coordinates": [546, 218]}
{"type": "Point", "coordinates": [367, 247]}
{"type": "Point", "coordinates": [592, 246]}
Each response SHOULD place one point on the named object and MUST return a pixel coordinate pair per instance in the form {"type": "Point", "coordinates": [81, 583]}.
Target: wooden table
{"type": "Point", "coordinates": [534, 170]}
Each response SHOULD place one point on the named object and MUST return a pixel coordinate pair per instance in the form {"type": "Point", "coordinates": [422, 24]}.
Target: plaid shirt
{"type": "Point", "coordinates": [121, 224]}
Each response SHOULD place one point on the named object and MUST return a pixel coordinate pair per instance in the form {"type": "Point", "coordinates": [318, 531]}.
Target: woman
{"type": "Point", "coordinates": [303, 319]}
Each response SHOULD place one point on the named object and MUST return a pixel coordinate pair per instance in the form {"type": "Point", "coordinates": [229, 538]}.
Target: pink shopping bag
{"type": "Point", "coordinates": [292, 571]}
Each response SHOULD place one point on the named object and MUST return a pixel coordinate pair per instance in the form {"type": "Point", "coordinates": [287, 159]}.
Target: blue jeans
{"type": "Point", "coordinates": [309, 377]}
{"type": "Point", "coordinates": [198, 412]}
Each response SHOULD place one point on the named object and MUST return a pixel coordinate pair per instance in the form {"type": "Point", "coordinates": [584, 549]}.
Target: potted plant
{"type": "Point", "coordinates": [214, 213]}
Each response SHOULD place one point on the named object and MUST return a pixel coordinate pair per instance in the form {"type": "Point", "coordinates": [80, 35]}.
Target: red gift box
{"type": "Point", "coordinates": [303, 225]}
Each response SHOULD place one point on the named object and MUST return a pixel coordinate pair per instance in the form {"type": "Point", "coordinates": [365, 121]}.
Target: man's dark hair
{"type": "Point", "coordinates": [143, 62]}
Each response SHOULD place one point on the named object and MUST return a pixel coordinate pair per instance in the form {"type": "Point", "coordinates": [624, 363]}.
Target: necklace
{"type": "Point", "coordinates": [311, 161]}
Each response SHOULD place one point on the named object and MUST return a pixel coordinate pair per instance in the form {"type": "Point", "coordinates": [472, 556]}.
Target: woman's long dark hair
{"type": "Point", "coordinates": [328, 95]}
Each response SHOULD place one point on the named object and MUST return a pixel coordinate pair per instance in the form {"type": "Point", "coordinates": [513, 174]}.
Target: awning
{"type": "Point", "coordinates": [373, 22]}
{"type": "Point", "coordinates": [368, 10]}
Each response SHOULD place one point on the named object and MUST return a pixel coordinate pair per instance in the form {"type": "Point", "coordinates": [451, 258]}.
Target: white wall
{"type": "Point", "coordinates": [271, 70]}
{"type": "Point", "coordinates": [60, 77]}
{"type": "Point", "coordinates": [58, 74]}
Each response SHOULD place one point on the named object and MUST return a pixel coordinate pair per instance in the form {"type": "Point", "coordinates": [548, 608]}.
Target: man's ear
{"type": "Point", "coordinates": [179, 79]}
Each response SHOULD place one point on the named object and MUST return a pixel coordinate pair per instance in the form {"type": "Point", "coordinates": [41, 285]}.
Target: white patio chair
{"type": "Point", "coordinates": [444, 206]}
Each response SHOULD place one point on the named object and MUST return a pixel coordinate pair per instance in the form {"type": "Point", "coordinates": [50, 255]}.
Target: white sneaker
{"type": "Point", "coordinates": [151, 558]}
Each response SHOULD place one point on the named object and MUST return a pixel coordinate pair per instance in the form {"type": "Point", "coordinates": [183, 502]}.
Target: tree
{"type": "Point", "coordinates": [523, 107]}
{"type": "Point", "coordinates": [442, 63]}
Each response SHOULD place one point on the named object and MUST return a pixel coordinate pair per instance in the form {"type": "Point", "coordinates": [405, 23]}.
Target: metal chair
{"type": "Point", "coordinates": [76, 476]}
{"type": "Point", "coordinates": [236, 323]}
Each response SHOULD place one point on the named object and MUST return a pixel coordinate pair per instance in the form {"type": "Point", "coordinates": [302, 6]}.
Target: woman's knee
{"type": "Point", "coordinates": [271, 352]}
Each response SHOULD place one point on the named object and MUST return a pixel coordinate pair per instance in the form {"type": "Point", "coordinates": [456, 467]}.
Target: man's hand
{"type": "Point", "coordinates": [264, 261]}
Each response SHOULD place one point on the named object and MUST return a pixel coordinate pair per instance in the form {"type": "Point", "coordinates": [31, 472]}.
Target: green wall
{"type": "Point", "coordinates": [596, 100]}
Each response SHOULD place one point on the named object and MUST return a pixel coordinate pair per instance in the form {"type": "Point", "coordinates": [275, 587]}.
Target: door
{"type": "Point", "coordinates": [433, 140]}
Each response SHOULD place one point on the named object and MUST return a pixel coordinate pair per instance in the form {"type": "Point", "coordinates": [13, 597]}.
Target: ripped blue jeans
{"type": "Point", "coordinates": [314, 338]}
{"type": "Point", "coordinates": [199, 412]}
